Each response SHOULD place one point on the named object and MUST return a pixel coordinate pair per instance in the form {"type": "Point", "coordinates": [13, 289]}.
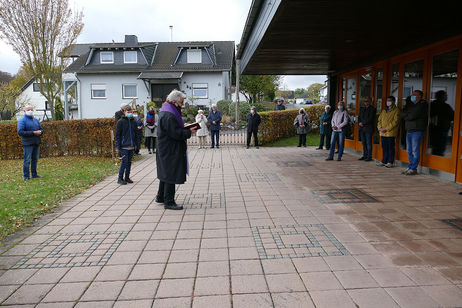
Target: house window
{"type": "Point", "coordinates": [106, 57]}
{"type": "Point", "coordinates": [194, 56]}
{"type": "Point", "coordinates": [200, 90]}
{"type": "Point", "coordinates": [129, 91]}
{"type": "Point", "coordinates": [98, 91]}
{"type": "Point", "coordinates": [36, 87]}
{"type": "Point", "coordinates": [130, 57]}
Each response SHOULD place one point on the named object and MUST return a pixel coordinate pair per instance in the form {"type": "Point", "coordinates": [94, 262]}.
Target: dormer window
{"type": "Point", "coordinates": [106, 57]}
{"type": "Point", "coordinates": [194, 55]}
{"type": "Point", "coordinates": [130, 56]}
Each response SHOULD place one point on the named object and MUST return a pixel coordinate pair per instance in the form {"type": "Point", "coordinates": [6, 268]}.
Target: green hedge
{"type": "Point", "coordinates": [276, 125]}
{"type": "Point", "coordinates": [62, 138]}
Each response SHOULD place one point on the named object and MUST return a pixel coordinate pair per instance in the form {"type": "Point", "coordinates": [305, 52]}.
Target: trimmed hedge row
{"type": "Point", "coordinates": [62, 138]}
{"type": "Point", "coordinates": [276, 125]}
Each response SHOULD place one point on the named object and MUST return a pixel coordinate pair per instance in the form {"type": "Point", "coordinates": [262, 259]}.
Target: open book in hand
{"type": "Point", "coordinates": [195, 125]}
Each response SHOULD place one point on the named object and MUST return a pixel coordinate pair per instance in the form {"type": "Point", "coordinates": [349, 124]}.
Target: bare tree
{"type": "Point", "coordinates": [41, 33]}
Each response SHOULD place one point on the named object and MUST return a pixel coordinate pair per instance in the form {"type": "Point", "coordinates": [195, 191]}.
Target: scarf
{"type": "Point", "coordinates": [151, 119]}
{"type": "Point", "coordinates": [301, 123]}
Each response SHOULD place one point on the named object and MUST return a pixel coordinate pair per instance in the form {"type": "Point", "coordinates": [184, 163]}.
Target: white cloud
{"type": "Point", "coordinates": [292, 82]}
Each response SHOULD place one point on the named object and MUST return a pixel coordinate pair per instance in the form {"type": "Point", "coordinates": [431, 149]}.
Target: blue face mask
{"type": "Point", "coordinates": [129, 115]}
{"type": "Point", "coordinates": [340, 107]}
{"type": "Point", "coordinates": [413, 98]}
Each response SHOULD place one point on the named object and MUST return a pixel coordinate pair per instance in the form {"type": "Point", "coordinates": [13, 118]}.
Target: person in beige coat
{"type": "Point", "coordinates": [203, 132]}
{"type": "Point", "coordinates": [388, 125]}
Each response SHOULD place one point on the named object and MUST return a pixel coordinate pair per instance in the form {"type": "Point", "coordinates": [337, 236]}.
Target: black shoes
{"type": "Point", "coordinates": [339, 159]}
{"type": "Point", "coordinates": [362, 158]}
{"type": "Point", "coordinates": [121, 182]}
{"type": "Point", "coordinates": [299, 145]}
{"type": "Point", "coordinates": [247, 147]}
{"type": "Point", "coordinates": [328, 158]}
{"type": "Point", "coordinates": [37, 177]}
{"type": "Point", "coordinates": [172, 206]}
{"type": "Point", "coordinates": [319, 148]}
{"type": "Point", "coordinates": [257, 147]}
{"type": "Point", "coordinates": [128, 180]}
{"type": "Point", "coordinates": [159, 199]}
{"type": "Point", "coordinates": [368, 159]}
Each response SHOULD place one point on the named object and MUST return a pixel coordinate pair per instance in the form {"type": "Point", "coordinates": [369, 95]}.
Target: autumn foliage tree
{"type": "Point", "coordinates": [253, 87]}
{"type": "Point", "coordinates": [41, 33]}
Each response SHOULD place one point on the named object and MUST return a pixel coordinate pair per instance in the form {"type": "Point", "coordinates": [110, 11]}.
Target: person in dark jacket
{"type": "Point", "coordinates": [253, 121]}
{"type": "Point", "coordinates": [120, 113]}
{"type": "Point", "coordinates": [366, 128]}
{"type": "Point", "coordinates": [125, 141]}
{"type": "Point", "coordinates": [139, 132]}
{"type": "Point", "coordinates": [441, 121]}
{"type": "Point", "coordinates": [214, 119]}
{"type": "Point", "coordinates": [325, 128]}
{"type": "Point", "coordinates": [31, 131]}
{"type": "Point", "coordinates": [279, 105]}
{"type": "Point", "coordinates": [171, 158]}
{"type": "Point", "coordinates": [415, 116]}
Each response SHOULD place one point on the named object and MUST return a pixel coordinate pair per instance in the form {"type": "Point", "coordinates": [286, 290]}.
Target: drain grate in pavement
{"type": "Point", "coordinates": [201, 201]}
{"type": "Point", "coordinates": [455, 223]}
{"type": "Point", "coordinates": [73, 250]}
{"type": "Point", "coordinates": [296, 241]}
{"type": "Point", "coordinates": [257, 177]}
{"type": "Point", "coordinates": [345, 195]}
{"type": "Point", "coordinates": [296, 163]}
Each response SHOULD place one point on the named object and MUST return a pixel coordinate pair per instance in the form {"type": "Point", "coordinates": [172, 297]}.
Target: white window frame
{"type": "Point", "coordinates": [194, 56]}
{"type": "Point", "coordinates": [35, 84]}
{"type": "Point", "coordinates": [201, 86]}
{"type": "Point", "coordinates": [132, 51]}
{"type": "Point", "coordinates": [98, 87]}
{"type": "Point", "coordinates": [101, 57]}
{"type": "Point", "coordinates": [129, 84]}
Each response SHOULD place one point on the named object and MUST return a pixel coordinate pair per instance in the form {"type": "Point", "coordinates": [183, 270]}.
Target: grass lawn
{"type": "Point", "coordinates": [63, 177]}
{"type": "Point", "coordinates": [311, 139]}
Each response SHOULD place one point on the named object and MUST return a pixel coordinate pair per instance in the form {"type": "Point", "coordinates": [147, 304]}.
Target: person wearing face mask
{"type": "Point", "coordinates": [150, 131]}
{"type": "Point", "coordinates": [415, 116]}
{"type": "Point", "coordinates": [31, 131]}
{"type": "Point", "coordinates": [325, 128]}
{"type": "Point", "coordinates": [214, 119]}
{"type": "Point", "coordinates": [253, 121]}
{"type": "Point", "coordinates": [203, 132]}
{"type": "Point", "coordinates": [366, 124]}
{"type": "Point", "coordinates": [172, 156]}
{"type": "Point", "coordinates": [139, 132]}
{"type": "Point", "coordinates": [302, 123]}
{"type": "Point", "coordinates": [388, 124]}
{"type": "Point", "coordinates": [125, 142]}
{"type": "Point", "coordinates": [339, 122]}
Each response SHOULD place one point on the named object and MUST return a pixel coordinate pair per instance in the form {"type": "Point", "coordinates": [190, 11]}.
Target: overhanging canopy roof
{"type": "Point", "coordinates": [161, 77]}
{"type": "Point", "coordinates": [287, 37]}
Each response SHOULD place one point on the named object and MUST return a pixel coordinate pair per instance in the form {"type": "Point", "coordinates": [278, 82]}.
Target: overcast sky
{"type": "Point", "coordinates": [198, 20]}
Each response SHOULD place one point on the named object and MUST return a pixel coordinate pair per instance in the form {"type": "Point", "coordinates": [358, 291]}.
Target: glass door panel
{"type": "Point", "coordinates": [365, 91]}
{"type": "Point", "coordinates": [350, 101]}
{"type": "Point", "coordinates": [443, 103]}
{"type": "Point", "coordinates": [378, 102]}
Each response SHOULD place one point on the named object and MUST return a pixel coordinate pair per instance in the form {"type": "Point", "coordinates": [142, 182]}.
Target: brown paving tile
{"type": "Point", "coordinates": [246, 267]}
{"type": "Point", "coordinates": [214, 243]}
{"type": "Point", "coordinates": [212, 286]}
{"type": "Point", "coordinates": [425, 276]}
{"type": "Point", "coordinates": [179, 302]}
{"type": "Point", "coordinates": [103, 290]}
{"type": "Point", "coordinates": [81, 274]}
{"type": "Point", "coordinates": [140, 303]}
{"type": "Point", "coordinates": [411, 297]}
{"type": "Point", "coordinates": [55, 305]}
{"type": "Point", "coordinates": [445, 295]}
{"type": "Point", "coordinates": [437, 259]}
{"type": "Point", "coordinates": [189, 255]}
{"type": "Point", "coordinates": [374, 261]}
{"type": "Point", "coordinates": [356, 279]}
{"type": "Point", "coordinates": [248, 284]}
{"type": "Point", "coordinates": [292, 300]}
{"type": "Point", "coordinates": [242, 253]}
{"type": "Point", "coordinates": [147, 271]}
{"type": "Point", "coordinates": [47, 275]}
{"type": "Point", "coordinates": [314, 264]}
{"type": "Point", "coordinates": [342, 263]}
{"type": "Point", "coordinates": [391, 277]}
{"type": "Point", "coordinates": [153, 256]}
{"type": "Point", "coordinates": [6, 291]}
{"type": "Point", "coordinates": [18, 276]}
{"type": "Point", "coordinates": [29, 294]}
{"type": "Point", "coordinates": [316, 281]}
{"type": "Point", "coordinates": [114, 272]}
{"type": "Point", "coordinates": [376, 298]}
{"type": "Point", "coordinates": [65, 292]}
{"type": "Point", "coordinates": [213, 254]}
{"type": "Point", "coordinates": [222, 301]}
{"type": "Point", "coordinates": [124, 257]}
{"type": "Point", "coordinates": [331, 298]}
{"type": "Point", "coordinates": [175, 288]}
{"type": "Point", "coordinates": [180, 270]}
{"type": "Point", "coordinates": [261, 300]}
{"type": "Point", "coordinates": [454, 274]}
{"type": "Point", "coordinates": [95, 304]}
{"type": "Point", "coordinates": [285, 283]}
{"type": "Point", "coordinates": [214, 268]}
{"type": "Point", "coordinates": [143, 289]}
{"type": "Point", "coordinates": [278, 266]}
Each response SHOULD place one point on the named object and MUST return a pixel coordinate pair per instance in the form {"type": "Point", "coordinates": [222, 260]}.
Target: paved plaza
{"type": "Point", "coordinates": [274, 227]}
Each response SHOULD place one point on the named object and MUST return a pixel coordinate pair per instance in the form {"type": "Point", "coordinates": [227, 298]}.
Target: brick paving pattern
{"type": "Point", "coordinates": [274, 227]}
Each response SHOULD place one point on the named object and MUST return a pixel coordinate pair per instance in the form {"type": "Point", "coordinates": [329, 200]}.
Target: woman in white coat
{"type": "Point", "coordinates": [203, 132]}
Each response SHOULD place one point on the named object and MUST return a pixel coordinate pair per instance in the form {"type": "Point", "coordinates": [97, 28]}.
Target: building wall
{"type": "Point", "coordinates": [34, 99]}
{"type": "Point", "coordinates": [215, 91]}
{"type": "Point", "coordinates": [106, 107]}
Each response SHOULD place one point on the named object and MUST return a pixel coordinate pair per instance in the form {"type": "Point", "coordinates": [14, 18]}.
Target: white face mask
{"type": "Point", "coordinates": [389, 103]}
{"type": "Point", "coordinates": [29, 113]}
{"type": "Point", "coordinates": [252, 111]}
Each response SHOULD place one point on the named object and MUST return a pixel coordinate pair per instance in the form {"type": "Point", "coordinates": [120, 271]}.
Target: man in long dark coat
{"type": "Point", "coordinates": [253, 121]}
{"type": "Point", "coordinates": [172, 159]}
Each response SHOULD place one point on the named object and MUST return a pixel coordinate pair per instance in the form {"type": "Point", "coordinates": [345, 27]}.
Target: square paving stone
{"type": "Point", "coordinates": [292, 300]}
{"type": "Point", "coordinates": [201, 200]}
{"type": "Point", "coordinates": [29, 294]}
{"type": "Point", "coordinates": [257, 177]}
{"type": "Point", "coordinates": [66, 292]}
{"type": "Point", "coordinates": [248, 284]}
{"type": "Point", "coordinates": [143, 289]}
{"type": "Point", "coordinates": [175, 288]}
{"type": "Point", "coordinates": [345, 195]}
{"type": "Point", "coordinates": [222, 301]}
{"type": "Point", "coordinates": [261, 300]}
{"type": "Point", "coordinates": [103, 290]}
{"type": "Point", "coordinates": [294, 164]}
{"type": "Point", "coordinates": [212, 286]}
{"type": "Point", "coordinates": [140, 303]}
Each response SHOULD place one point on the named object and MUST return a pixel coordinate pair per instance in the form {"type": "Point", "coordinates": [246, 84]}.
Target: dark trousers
{"type": "Point", "coordinates": [388, 149]}
{"type": "Point", "coordinates": [302, 139]}
{"type": "Point", "coordinates": [138, 144]}
{"type": "Point", "coordinates": [126, 164]}
{"type": "Point", "coordinates": [166, 192]}
{"type": "Point", "coordinates": [215, 134]}
{"type": "Point", "coordinates": [255, 137]}
{"type": "Point", "coordinates": [328, 137]}
{"type": "Point", "coordinates": [150, 142]}
{"type": "Point", "coordinates": [366, 139]}
{"type": "Point", "coordinates": [31, 156]}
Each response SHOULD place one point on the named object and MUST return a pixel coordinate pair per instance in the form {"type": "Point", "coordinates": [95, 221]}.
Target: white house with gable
{"type": "Point", "coordinates": [104, 75]}
{"type": "Point", "coordinates": [30, 95]}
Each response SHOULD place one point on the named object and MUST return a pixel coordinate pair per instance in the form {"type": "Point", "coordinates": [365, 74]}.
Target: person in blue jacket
{"type": "Point", "coordinates": [214, 119]}
{"type": "Point", "coordinates": [31, 131]}
{"type": "Point", "coordinates": [125, 141]}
